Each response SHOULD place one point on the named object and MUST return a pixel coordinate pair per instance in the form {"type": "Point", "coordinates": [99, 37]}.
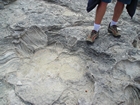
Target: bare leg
{"type": "Point", "coordinates": [118, 11]}
{"type": "Point", "coordinates": [101, 9]}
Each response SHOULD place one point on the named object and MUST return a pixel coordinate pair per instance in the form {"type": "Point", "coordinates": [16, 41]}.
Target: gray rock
{"type": "Point", "coordinates": [1, 5]}
{"type": "Point", "coordinates": [5, 2]}
{"type": "Point", "coordinates": [45, 60]}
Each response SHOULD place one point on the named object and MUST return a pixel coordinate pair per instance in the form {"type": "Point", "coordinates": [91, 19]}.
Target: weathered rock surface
{"type": "Point", "coordinates": [5, 2]}
{"type": "Point", "coordinates": [44, 59]}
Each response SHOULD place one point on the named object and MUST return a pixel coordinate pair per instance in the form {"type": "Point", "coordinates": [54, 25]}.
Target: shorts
{"type": "Point", "coordinates": [123, 1]}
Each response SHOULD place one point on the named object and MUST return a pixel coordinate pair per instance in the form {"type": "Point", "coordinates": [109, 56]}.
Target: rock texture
{"type": "Point", "coordinates": [45, 60]}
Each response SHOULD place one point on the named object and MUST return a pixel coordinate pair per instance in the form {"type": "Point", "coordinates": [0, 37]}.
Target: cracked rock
{"type": "Point", "coordinates": [45, 60]}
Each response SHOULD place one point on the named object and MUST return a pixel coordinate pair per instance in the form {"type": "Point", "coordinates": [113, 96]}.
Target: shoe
{"type": "Point", "coordinates": [94, 35]}
{"type": "Point", "coordinates": [113, 30]}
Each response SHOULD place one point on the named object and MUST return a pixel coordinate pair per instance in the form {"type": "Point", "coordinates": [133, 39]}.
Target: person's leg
{"type": "Point", "coordinates": [100, 11]}
{"type": "Point", "coordinates": [117, 12]}
{"type": "Point", "coordinates": [112, 28]}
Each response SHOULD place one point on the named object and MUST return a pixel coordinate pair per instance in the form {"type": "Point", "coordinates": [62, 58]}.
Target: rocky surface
{"type": "Point", "coordinates": [45, 60]}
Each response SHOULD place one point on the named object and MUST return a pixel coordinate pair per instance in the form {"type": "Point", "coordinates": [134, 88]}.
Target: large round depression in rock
{"type": "Point", "coordinates": [53, 75]}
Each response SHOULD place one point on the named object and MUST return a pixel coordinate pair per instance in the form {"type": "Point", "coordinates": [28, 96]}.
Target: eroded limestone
{"type": "Point", "coordinates": [44, 56]}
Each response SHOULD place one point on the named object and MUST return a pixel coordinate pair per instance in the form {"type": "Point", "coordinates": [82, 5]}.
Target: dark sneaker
{"type": "Point", "coordinates": [113, 30]}
{"type": "Point", "coordinates": [94, 35]}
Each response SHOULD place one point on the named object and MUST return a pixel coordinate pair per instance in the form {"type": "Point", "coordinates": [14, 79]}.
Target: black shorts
{"type": "Point", "coordinates": [123, 1]}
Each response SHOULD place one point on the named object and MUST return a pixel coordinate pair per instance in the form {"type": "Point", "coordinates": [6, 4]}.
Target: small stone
{"type": "Point", "coordinates": [119, 29]}
{"type": "Point", "coordinates": [19, 83]}
{"type": "Point", "coordinates": [16, 41]}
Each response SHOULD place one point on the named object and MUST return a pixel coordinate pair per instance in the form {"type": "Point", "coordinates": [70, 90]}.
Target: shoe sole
{"type": "Point", "coordinates": [116, 36]}
{"type": "Point", "coordinates": [90, 41]}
